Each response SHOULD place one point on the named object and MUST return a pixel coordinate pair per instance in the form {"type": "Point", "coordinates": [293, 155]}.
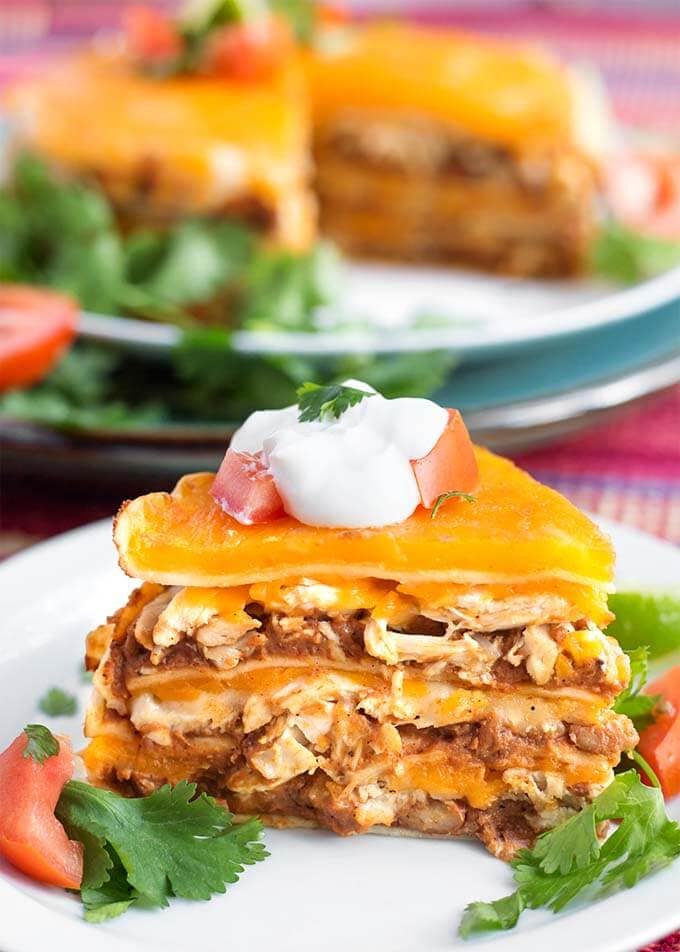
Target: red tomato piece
{"type": "Point", "coordinates": [660, 742]}
{"type": "Point", "coordinates": [244, 488]}
{"type": "Point", "coordinates": [36, 327]}
{"type": "Point", "coordinates": [151, 35]}
{"type": "Point", "coordinates": [249, 51]}
{"type": "Point", "coordinates": [644, 192]}
{"type": "Point", "coordinates": [450, 465]}
{"type": "Point", "coordinates": [31, 837]}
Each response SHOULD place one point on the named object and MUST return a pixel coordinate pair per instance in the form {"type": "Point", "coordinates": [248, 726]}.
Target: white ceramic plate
{"type": "Point", "coordinates": [473, 314]}
{"type": "Point", "coordinates": [317, 891]}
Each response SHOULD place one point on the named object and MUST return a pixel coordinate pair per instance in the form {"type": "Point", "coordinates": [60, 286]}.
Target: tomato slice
{"type": "Point", "coordinates": [151, 35]}
{"type": "Point", "coordinates": [31, 837]}
{"type": "Point", "coordinates": [660, 742]}
{"type": "Point", "coordinates": [36, 326]}
{"type": "Point", "coordinates": [249, 51]}
{"type": "Point", "coordinates": [644, 192]}
{"type": "Point", "coordinates": [244, 488]}
{"type": "Point", "coordinates": [451, 464]}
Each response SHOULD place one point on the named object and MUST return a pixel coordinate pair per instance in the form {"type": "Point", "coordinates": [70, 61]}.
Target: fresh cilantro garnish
{"type": "Point", "coordinates": [444, 497]}
{"type": "Point", "coordinates": [58, 703]}
{"type": "Point", "coordinates": [627, 256]}
{"type": "Point", "coordinates": [149, 849]}
{"type": "Point", "coordinates": [646, 769]}
{"type": "Point", "coordinates": [324, 403]}
{"type": "Point", "coordinates": [638, 707]}
{"type": "Point", "coordinates": [41, 743]}
{"type": "Point", "coordinates": [646, 618]}
{"type": "Point", "coordinates": [570, 859]}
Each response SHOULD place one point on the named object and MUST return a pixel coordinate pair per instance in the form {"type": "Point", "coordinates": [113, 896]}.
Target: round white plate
{"type": "Point", "coordinates": [316, 891]}
{"type": "Point", "coordinates": [471, 313]}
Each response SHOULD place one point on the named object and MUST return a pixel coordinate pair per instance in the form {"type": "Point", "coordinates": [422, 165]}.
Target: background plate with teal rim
{"type": "Point", "coordinates": [530, 397]}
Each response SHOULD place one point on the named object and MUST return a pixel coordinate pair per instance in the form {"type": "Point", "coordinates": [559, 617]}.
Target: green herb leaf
{"type": "Point", "coordinates": [638, 759]}
{"type": "Point", "coordinates": [444, 497]}
{"type": "Point", "coordinates": [41, 743]}
{"type": "Point", "coordinates": [638, 707]}
{"type": "Point", "coordinates": [571, 859]}
{"type": "Point", "coordinates": [626, 256]}
{"type": "Point", "coordinates": [646, 618]}
{"type": "Point", "coordinates": [490, 916]}
{"type": "Point", "coordinates": [58, 703]}
{"type": "Point", "coordinates": [324, 403]}
{"type": "Point", "coordinates": [282, 290]}
{"type": "Point", "coordinates": [91, 388]}
{"type": "Point", "coordinates": [146, 850]}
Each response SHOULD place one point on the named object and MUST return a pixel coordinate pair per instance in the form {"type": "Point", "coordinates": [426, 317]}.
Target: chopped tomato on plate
{"type": "Point", "coordinates": [449, 466]}
{"type": "Point", "coordinates": [644, 192]}
{"type": "Point", "coordinates": [31, 837]}
{"type": "Point", "coordinates": [660, 742]}
{"type": "Point", "coordinates": [244, 488]}
{"type": "Point", "coordinates": [36, 326]}
{"type": "Point", "coordinates": [151, 35]}
{"type": "Point", "coordinates": [249, 51]}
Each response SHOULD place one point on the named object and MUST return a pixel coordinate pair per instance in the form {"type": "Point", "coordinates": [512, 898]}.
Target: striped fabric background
{"type": "Point", "coordinates": [628, 470]}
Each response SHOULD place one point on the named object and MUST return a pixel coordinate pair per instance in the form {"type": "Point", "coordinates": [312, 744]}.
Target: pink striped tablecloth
{"type": "Point", "coordinates": [628, 469]}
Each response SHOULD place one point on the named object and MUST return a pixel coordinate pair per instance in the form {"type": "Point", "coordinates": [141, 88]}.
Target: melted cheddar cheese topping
{"type": "Point", "coordinates": [517, 531]}
{"type": "Point", "coordinates": [199, 140]}
{"type": "Point", "coordinates": [495, 91]}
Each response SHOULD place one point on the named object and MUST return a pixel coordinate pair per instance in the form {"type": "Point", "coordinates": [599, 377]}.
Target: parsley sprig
{"type": "Point", "coordinates": [148, 849]}
{"type": "Point", "coordinates": [58, 703]}
{"type": "Point", "coordinates": [40, 743]}
{"type": "Point", "coordinates": [570, 859]}
{"type": "Point", "coordinates": [325, 403]}
{"type": "Point", "coordinates": [635, 705]}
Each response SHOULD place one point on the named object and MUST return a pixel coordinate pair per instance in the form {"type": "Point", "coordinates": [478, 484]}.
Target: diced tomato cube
{"type": "Point", "coordinates": [244, 488]}
{"type": "Point", "coordinates": [451, 464]}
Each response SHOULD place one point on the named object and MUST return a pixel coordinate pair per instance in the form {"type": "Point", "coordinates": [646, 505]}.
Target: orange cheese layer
{"type": "Point", "coordinates": [446, 704]}
{"type": "Point", "coordinates": [496, 91]}
{"type": "Point", "coordinates": [430, 771]}
{"type": "Point", "coordinates": [95, 112]}
{"type": "Point", "coordinates": [480, 786]}
{"type": "Point", "coordinates": [516, 531]}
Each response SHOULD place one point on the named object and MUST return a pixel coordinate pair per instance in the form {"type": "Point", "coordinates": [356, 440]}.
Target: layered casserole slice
{"type": "Point", "coordinates": [431, 145]}
{"type": "Point", "coordinates": [444, 675]}
{"type": "Point", "coordinates": [166, 148]}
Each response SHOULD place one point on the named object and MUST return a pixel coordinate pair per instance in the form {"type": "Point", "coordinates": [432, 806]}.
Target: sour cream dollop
{"type": "Point", "coordinates": [352, 472]}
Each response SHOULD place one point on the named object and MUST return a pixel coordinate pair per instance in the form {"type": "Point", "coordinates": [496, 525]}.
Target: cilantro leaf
{"type": "Point", "coordinates": [646, 618]}
{"type": "Point", "coordinates": [318, 403]}
{"type": "Point", "coordinates": [489, 916]}
{"type": "Point", "coordinates": [41, 743]}
{"type": "Point", "coordinates": [282, 290]}
{"type": "Point", "coordinates": [638, 707]}
{"type": "Point", "coordinates": [444, 497]}
{"type": "Point", "coordinates": [626, 256]}
{"type": "Point", "coordinates": [571, 859]}
{"type": "Point", "coordinates": [58, 703]}
{"type": "Point", "coordinates": [146, 850]}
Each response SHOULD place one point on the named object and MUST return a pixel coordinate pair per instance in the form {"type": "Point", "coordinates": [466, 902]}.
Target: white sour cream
{"type": "Point", "coordinates": [353, 472]}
